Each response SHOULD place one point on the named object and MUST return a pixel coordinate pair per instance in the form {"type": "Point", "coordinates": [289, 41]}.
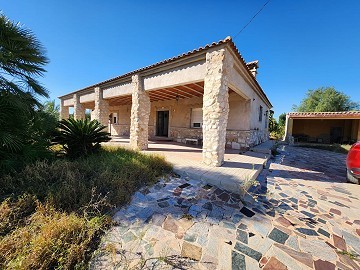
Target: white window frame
{"type": "Point", "coordinates": [196, 113]}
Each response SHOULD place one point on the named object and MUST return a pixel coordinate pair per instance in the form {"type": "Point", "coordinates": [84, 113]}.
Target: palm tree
{"type": "Point", "coordinates": [22, 61]}
{"type": "Point", "coordinates": [52, 108]}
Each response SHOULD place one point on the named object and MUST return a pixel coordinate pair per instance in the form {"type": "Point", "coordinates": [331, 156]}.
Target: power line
{"type": "Point", "coordinates": [252, 19]}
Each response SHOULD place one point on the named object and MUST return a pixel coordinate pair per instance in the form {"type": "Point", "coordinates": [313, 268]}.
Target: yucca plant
{"type": "Point", "coordinates": [80, 137]}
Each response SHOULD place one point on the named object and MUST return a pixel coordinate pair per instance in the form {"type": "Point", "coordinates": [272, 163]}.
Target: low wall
{"type": "Point", "coordinates": [180, 134]}
{"type": "Point", "coordinates": [235, 139]}
{"type": "Point", "coordinates": [120, 129]}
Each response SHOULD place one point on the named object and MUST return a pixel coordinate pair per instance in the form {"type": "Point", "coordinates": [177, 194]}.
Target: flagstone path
{"type": "Point", "coordinates": [302, 215]}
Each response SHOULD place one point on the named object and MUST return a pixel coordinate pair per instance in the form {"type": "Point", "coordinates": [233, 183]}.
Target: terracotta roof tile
{"type": "Point", "coordinates": [324, 114]}
{"type": "Point", "coordinates": [227, 40]}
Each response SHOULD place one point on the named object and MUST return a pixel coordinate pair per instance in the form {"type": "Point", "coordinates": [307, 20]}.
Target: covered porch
{"type": "Point", "coordinates": [208, 97]}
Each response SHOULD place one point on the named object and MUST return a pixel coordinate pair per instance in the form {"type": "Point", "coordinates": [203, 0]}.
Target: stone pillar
{"type": "Point", "coordinates": [64, 111]}
{"type": "Point", "coordinates": [215, 106]}
{"type": "Point", "coordinates": [140, 112]}
{"type": "Point", "coordinates": [79, 110]}
{"type": "Point", "coordinates": [101, 111]}
{"type": "Point", "coordinates": [288, 129]}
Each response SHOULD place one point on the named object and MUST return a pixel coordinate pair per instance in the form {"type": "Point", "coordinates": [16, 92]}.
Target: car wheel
{"type": "Point", "coordinates": [351, 178]}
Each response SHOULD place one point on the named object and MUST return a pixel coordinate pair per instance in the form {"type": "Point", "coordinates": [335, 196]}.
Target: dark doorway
{"type": "Point", "coordinates": [162, 123]}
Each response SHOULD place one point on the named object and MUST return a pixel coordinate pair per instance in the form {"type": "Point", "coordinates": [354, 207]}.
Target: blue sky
{"type": "Point", "coordinates": [300, 45]}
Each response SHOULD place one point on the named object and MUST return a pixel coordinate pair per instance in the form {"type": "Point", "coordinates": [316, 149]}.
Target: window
{"type": "Point", "coordinates": [114, 119]}
{"type": "Point", "coordinates": [260, 113]}
{"type": "Point", "coordinates": [266, 119]}
{"type": "Point", "coordinates": [196, 118]}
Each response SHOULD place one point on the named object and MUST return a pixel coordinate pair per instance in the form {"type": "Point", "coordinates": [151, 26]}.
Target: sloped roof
{"type": "Point", "coordinates": [348, 114]}
{"type": "Point", "coordinates": [227, 40]}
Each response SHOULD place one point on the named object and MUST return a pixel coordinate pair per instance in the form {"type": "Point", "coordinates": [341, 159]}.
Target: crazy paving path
{"type": "Point", "coordinates": [303, 216]}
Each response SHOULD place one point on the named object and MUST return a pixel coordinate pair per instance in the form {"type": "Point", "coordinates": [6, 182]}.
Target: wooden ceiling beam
{"type": "Point", "coordinates": [188, 95]}
{"type": "Point", "coordinates": [159, 98]}
{"type": "Point", "coordinates": [161, 93]}
{"type": "Point", "coordinates": [201, 93]}
{"type": "Point", "coordinates": [197, 86]}
{"type": "Point", "coordinates": [176, 93]}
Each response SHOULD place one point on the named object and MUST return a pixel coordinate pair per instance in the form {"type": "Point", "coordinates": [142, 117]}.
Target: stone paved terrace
{"type": "Point", "coordinates": [237, 171]}
{"type": "Point", "coordinates": [305, 217]}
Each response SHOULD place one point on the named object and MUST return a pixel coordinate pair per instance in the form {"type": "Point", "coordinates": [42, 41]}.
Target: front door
{"type": "Point", "coordinates": [162, 123]}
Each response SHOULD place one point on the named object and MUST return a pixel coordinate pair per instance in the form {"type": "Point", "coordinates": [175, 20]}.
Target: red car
{"type": "Point", "coordinates": [353, 163]}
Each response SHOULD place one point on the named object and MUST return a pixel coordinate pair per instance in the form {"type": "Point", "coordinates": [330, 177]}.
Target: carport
{"type": "Point", "coordinates": [323, 127]}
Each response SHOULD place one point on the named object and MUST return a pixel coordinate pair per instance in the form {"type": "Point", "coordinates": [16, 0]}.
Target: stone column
{"type": "Point", "coordinates": [64, 110]}
{"type": "Point", "coordinates": [215, 106]}
{"type": "Point", "coordinates": [101, 110]}
{"type": "Point", "coordinates": [79, 110]}
{"type": "Point", "coordinates": [140, 112]}
{"type": "Point", "coordinates": [288, 129]}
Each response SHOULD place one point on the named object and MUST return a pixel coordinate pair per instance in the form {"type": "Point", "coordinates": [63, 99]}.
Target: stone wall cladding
{"type": "Point", "coordinates": [101, 110]}
{"type": "Point", "coordinates": [244, 139]}
{"type": "Point", "coordinates": [79, 110]}
{"type": "Point", "coordinates": [140, 112]}
{"type": "Point", "coordinates": [179, 134]}
{"type": "Point", "coordinates": [151, 131]}
{"type": "Point", "coordinates": [215, 106]}
{"type": "Point", "coordinates": [120, 129]}
{"type": "Point", "coordinates": [64, 111]}
{"type": "Point", "coordinates": [235, 139]}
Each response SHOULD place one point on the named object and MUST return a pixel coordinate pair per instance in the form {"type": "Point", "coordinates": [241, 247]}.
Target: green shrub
{"type": "Point", "coordinates": [114, 172]}
{"type": "Point", "coordinates": [80, 137]}
{"type": "Point", "coordinates": [53, 212]}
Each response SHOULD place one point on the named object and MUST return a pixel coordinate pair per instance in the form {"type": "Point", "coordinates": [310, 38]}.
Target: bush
{"type": "Point", "coordinates": [49, 239]}
{"type": "Point", "coordinates": [80, 137]}
{"type": "Point", "coordinates": [53, 212]}
{"type": "Point", "coordinates": [25, 133]}
{"type": "Point", "coordinates": [114, 172]}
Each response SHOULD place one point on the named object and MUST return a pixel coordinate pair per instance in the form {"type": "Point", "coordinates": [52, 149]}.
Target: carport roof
{"type": "Point", "coordinates": [325, 115]}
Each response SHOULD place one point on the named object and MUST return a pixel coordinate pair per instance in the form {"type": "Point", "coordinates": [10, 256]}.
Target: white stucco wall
{"type": "Point", "coordinates": [87, 97]}
{"type": "Point", "coordinates": [189, 73]}
{"type": "Point", "coordinates": [254, 116]}
{"type": "Point", "coordinates": [239, 112]}
{"type": "Point", "coordinates": [117, 90]}
{"type": "Point", "coordinates": [241, 86]}
{"type": "Point", "coordinates": [68, 102]}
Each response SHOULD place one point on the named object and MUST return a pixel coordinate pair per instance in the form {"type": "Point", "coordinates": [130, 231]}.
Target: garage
{"type": "Point", "coordinates": [323, 127]}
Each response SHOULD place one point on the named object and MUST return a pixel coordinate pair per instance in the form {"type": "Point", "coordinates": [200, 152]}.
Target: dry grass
{"type": "Point", "coordinates": [53, 213]}
{"type": "Point", "coordinates": [50, 239]}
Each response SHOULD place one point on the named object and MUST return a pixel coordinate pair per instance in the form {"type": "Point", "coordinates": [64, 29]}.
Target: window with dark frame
{"type": "Point", "coordinates": [260, 113]}
{"type": "Point", "coordinates": [266, 119]}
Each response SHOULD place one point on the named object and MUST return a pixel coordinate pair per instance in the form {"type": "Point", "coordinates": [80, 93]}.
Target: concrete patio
{"type": "Point", "coordinates": [236, 174]}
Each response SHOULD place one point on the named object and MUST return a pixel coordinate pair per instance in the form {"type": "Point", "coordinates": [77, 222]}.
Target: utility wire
{"type": "Point", "coordinates": [252, 19]}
